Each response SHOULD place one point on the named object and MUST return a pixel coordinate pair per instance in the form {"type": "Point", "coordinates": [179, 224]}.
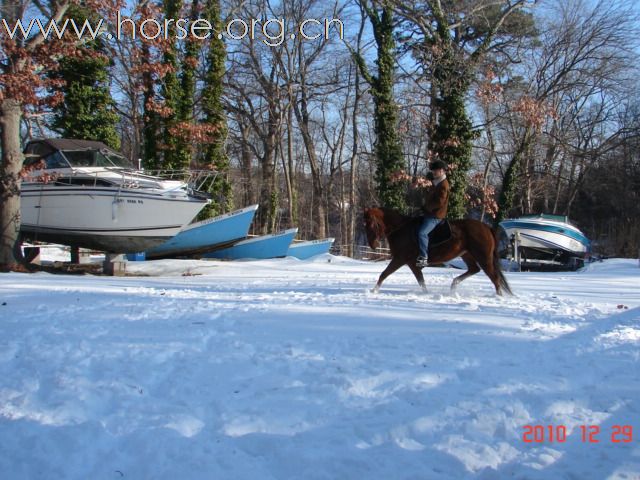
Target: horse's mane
{"type": "Point", "coordinates": [393, 214]}
{"type": "Point", "coordinates": [391, 217]}
{"type": "Point", "coordinates": [388, 220]}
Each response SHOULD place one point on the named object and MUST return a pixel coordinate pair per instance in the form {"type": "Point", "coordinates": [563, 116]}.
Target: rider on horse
{"type": "Point", "coordinates": [435, 209]}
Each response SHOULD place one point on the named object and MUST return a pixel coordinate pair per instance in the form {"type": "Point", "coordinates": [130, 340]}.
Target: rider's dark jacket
{"type": "Point", "coordinates": [436, 200]}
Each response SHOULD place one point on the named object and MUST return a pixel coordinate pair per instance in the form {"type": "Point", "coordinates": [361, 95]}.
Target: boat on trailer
{"type": "Point", "coordinates": [83, 194]}
{"type": "Point", "coordinates": [544, 238]}
{"type": "Point", "coordinates": [207, 235]}
{"type": "Point", "coordinates": [261, 247]}
{"type": "Point", "coordinates": [309, 248]}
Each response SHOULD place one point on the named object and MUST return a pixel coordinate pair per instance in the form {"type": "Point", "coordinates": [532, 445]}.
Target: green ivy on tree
{"type": "Point", "coordinates": [214, 115]}
{"type": "Point", "coordinates": [151, 120]}
{"type": "Point", "coordinates": [388, 152]}
{"type": "Point", "coordinates": [87, 111]}
{"type": "Point", "coordinates": [174, 158]}
{"type": "Point", "coordinates": [452, 142]}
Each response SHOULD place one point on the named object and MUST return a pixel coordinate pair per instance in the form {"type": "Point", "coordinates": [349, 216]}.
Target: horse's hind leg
{"type": "Point", "coordinates": [490, 270]}
{"type": "Point", "coordinates": [472, 269]}
{"type": "Point", "coordinates": [394, 265]}
{"type": "Point", "coordinates": [417, 272]}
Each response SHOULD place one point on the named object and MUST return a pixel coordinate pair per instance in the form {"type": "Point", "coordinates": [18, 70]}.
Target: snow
{"type": "Point", "coordinates": [288, 369]}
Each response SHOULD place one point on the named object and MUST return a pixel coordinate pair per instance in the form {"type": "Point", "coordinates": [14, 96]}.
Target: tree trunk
{"type": "Point", "coordinates": [511, 177]}
{"type": "Point", "coordinates": [353, 172]}
{"type": "Point", "coordinates": [559, 185]}
{"type": "Point", "coordinates": [268, 191]}
{"type": "Point", "coordinates": [289, 173]}
{"type": "Point", "coordinates": [452, 138]}
{"type": "Point", "coordinates": [529, 180]}
{"type": "Point", "coordinates": [246, 166]}
{"type": "Point", "coordinates": [303, 117]}
{"type": "Point", "coordinates": [171, 92]}
{"type": "Point", "coordinates": [487, 167]}
{"type": "Point", "coordinates": [388, 149]}
{"type": "Point", "coordinates": [150, 119]}
{"type": "Point", "coordinates": [12, 159]}
{"type": "Point", "coordinates": [214, 112]}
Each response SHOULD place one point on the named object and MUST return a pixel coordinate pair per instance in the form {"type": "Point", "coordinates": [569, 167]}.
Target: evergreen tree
{"type": "Point", "coordinates": [388, 151]}
{"type": "Point", "coordinates": [452, 136]}
{"type": "Point", "coordinates": [185, 100]}
{"type": "Point", "coordinates": [151, 121]}
{"type": "Point", "coordinates": [87, 111]}
{"type": "Point", "coordinates": [172, 94]}
{"type": "Point", "coordinates": [452, 39]}
{"type": "Point", "coordinates": [214, 115]}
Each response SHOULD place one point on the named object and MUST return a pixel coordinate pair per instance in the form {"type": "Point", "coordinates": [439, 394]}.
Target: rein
{"type": "Point", "coordinates": [392, 231]}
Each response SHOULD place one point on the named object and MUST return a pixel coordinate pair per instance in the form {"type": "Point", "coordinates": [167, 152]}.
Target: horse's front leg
{"type": "Point", "coordinates": [394, 265]}
{"type": "Point", "coordinates": [417, 272]}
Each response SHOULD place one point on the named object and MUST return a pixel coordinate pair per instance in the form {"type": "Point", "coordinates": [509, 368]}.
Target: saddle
{"type": "Point", "coordinates": [440, 234]}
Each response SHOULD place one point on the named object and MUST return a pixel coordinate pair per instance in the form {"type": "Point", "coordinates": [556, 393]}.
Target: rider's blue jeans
{"type": "Point", "coordinates": [428, 224]}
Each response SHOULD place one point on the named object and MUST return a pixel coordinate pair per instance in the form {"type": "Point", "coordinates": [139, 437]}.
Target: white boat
{"type": "Point", "coordinates": [547, 233]}
{"type": "Point", "coordinates": [81, 193]}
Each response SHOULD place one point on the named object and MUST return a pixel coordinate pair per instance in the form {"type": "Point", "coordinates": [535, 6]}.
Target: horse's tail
{"type": "Point", "coordinates": [504, 285]}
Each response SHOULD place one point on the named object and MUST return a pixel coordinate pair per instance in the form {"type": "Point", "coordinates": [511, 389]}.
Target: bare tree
{"type": "Point", "coordinates": [256, 96]}
{"type": "Point", "coordinates": [560, 117]}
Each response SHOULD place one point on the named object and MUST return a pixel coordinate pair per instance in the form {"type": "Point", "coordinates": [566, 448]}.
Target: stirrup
{"type": "Point", "coordinates": [422, 262]}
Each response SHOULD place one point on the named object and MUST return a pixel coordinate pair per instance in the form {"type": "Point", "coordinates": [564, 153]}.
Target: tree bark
{"type": "Point", "coordinates": [353, 170]}
{"type": "Point", "coordinates": [387, 146]}
{"type": "Point", "coordinates": [268, 189]}
{"type": "Point", "coordinates": [510, 181]}
{"type": "Point", "coordinates": [288, 169]}
{"type": "Point", "coordinates": [303, 117]}
{"type": "Point", "coordinates": [150, 118]}
{"type": "Point", "coordinates": [246, 165]}
{"type": "Point", "coordinates": [12, 158]}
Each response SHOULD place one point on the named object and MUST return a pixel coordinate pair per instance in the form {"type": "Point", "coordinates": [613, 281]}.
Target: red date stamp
{"type": "Point", "coordinates": [588, 434]}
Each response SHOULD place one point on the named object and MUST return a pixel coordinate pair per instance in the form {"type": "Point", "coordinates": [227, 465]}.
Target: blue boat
{"type": "Point", "coordinates": [263, 247]}
{"type": "Point", "coordinates": [310, 248]}
{"type": "Point", "coordinates": [207, 235]}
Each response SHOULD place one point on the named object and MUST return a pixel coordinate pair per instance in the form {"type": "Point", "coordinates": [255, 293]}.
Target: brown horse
{"type": "Point", "coordinates": [472, 240]}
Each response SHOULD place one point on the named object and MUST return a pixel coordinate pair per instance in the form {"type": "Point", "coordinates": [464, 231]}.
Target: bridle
{"type": "Point", "coordinates": [399, 227]}
{"type": "Point", "coordinates": [381, 229]}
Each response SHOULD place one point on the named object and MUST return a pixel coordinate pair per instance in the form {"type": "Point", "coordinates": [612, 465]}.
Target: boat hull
{"type": "Point", "coordinates": [103, 218]}
{"type": "Point", "coordinates": [311, 248]}
{"type": "Point", "coordinates": [547, 235]}
{"type": "Point", "coordinates": [264, 247]}
{"type": "Point", "coordinates": [204, 236]}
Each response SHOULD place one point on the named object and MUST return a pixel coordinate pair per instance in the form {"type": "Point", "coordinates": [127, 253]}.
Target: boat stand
{"type": "Point", "coordinates": [114, 265]}
{"type": "Point", "coordinates": [515, 244]}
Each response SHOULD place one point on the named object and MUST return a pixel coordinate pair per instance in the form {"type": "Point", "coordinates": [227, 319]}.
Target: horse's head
{"type": "Point", "coordinates": [373, 226]}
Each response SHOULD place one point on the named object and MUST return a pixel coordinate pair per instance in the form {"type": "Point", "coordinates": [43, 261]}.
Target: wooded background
{"type": "Point", "coordinates": [533, 105]}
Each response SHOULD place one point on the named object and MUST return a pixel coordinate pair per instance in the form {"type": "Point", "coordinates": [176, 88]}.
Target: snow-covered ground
{"type": "Point", "coordinates": [285, 369]}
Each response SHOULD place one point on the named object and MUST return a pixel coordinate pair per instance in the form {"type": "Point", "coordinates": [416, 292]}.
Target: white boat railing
{"type": "Point", "coordinates": [195, 180]}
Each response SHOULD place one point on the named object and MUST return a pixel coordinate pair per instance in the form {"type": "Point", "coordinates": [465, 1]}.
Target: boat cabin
{"type": "Point", "coordinates": [61, 153]}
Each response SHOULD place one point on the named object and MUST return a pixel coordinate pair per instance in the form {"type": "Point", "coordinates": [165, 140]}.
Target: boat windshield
{"type": "Point", "coordinates": [548, 216]}
{"type": "Point", "coordinates": [95, 158]}
{"type": "Point", "coordinates": [53, 161]}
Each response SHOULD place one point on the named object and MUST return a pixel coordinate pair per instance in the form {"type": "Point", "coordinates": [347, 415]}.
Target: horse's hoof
{"type": "Point", "coordinates": [374, 290]}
